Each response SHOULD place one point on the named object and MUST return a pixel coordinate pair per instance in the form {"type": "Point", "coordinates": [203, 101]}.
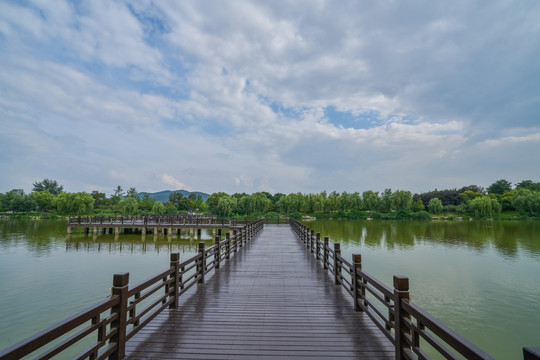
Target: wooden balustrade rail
{"type": "Point", "coordinates": [404, 323]}
{"type": "Point", "coordinates": [116, 320]}
{"type": "Point", "coordinates": [177, 219]}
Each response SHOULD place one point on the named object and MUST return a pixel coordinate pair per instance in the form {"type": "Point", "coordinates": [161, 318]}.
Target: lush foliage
{"type": "Point", "coordinates": [472, 201]}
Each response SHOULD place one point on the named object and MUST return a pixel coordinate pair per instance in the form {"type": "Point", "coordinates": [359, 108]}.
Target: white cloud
{"type": "Point", "coordinates": [176, 184]}
{"type": "Point", "coordinates": [145, 93]}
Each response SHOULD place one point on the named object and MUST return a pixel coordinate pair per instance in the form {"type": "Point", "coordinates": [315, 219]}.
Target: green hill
{"type": "Point", "coordinates": [163, 196]}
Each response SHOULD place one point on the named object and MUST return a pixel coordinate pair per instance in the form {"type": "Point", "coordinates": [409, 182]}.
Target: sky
{"type": "Point", "coordinates": [279, 96]}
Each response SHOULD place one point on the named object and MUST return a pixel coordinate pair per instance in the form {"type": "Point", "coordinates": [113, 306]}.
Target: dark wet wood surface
{"type": "Point", "coordinates": [271, 301]}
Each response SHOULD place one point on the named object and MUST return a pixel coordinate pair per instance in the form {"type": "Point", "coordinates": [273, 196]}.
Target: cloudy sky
{"type": "Point", "coordinates": [280, 96]}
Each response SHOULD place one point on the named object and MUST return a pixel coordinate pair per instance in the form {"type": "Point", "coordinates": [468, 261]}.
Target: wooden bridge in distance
{"type": "Point", "coordinates": [279, 293]}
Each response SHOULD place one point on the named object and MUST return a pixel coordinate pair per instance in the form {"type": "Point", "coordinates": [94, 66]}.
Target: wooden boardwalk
{"type": "Point", "coordinates": [271, 301]}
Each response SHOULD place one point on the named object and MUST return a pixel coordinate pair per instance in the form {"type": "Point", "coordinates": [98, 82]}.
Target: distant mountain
{"type": "Point", "coordinates": [163, 196]}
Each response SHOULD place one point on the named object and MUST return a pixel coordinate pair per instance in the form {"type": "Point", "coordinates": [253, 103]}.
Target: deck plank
{"type": "Point", "coordinates": [270, 301]}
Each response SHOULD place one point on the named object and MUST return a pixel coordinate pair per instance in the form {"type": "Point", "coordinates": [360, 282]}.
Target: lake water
{"type": "Point", "coordinates": [480, 278]}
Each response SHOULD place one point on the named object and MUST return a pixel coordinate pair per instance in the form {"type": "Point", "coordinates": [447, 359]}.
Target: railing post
{"type": "Point", "coordinates": [217, 252]}
{"type": "Point", "coordinates": [202, 262]}
{"type": "Point", "coordinates": [228, 244]}
{"type": "Point", "coordinates": [325, 253]}
{"type": "Point", "coordinates": [530, 353]}
{"type": "Point", "coordinates": [337, 266]}
{"type": "Point", "coordinates": [358, 295]}
{"type": "Point", "coordinates": [401, 291]}
{"type": "Point", "coordinates": [120, 288]}
{"type": "Point", "coordinates": [318, 246]}
{"type": "Point", "coordinates": [175, 262]}
{"type": "Point", "coordinates": [311, 239]}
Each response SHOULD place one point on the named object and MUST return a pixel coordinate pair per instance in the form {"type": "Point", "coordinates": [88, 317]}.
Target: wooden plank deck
{"type": "Point", "coordinates": [271, 301]}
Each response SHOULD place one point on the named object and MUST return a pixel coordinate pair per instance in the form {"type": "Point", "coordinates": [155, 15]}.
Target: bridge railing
{"type": "Point", "coordinates": [150, 220]}
{"type": "Point", "coordinates": [408, 327]}
{"type": "Point", "coordinates": [109, 324]}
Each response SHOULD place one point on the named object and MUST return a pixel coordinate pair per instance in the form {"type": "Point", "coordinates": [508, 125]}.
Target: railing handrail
{"type": "Point", "coordinates": [162, 220]}
{"type": "Point", "coordinates": [124, 312]}
{"type": "Point", "coordinates": [397, 324]}
{"type": "Point", "coordinates": [44, 337]}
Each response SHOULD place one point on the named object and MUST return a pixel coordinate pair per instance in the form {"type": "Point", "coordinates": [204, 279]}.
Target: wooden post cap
{"type": "Point", "coordinates": [201, 245]}
{"type": "Point", "coordinates": [357, 258]}
{"type": "Point", "coordinates": [401, 283]}
{"type": "Point", "coordinates": [326, 239]}
{"type": "Point", "coordinates": [217, 239]}
{"type": "Point", "coordinates": [318, 235]}
{"type": "Point", "coordinates": [336, 246]}
{"type": "Point", "coordinates": [120, 280]}
{"type": "Point", "coordinates": [175, 256]}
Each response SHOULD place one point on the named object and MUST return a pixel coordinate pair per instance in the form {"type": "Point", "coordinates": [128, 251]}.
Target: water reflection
{"type": "Point", "coordinates": [41, 238]}
{"type": "Point", "coordinates": [507, 237]}
{"type": "Point", "coordinates": [140, 244]}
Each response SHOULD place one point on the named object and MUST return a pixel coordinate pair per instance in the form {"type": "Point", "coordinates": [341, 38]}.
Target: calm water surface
{"type": "Point", "coordinates": [480, 278]}
{"type": "Point", "coordinates": [46, 276]}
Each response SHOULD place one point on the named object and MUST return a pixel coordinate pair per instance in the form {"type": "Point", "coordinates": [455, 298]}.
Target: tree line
{"type": "Point", "coordinates": [472, 200]}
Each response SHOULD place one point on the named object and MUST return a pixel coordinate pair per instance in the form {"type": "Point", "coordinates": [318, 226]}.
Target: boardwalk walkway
{"type": "Point", "coordinates": [271, 301]}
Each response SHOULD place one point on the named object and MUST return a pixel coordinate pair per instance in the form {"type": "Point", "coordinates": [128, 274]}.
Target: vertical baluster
{"type": "Point", "coordinates": [120, 288]}
{"type": "Point", "coordinates": [358, 291]}
{"type": "Point", "coordinates": [228, 244]}
{"type": "Point", "coordinates": [175, 262]}
{"type": "Point", "coordinates": [318, 247]}
{"type": "Point", "coordinates": [325, 253]}
{"type": "Point", "coordinates": [217, 252]}
{"type": "Point", "coordinates": [337, 265]}
{"type": "Point", "coordinates": [202, 262]}
{"type": "Point", "coordinates": [401, 292]}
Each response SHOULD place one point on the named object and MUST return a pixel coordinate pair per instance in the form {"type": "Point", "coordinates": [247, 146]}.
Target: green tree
{"type": "Point", "coordinates": [244, 205]}
{"type": "Point", "coordinates": [43, 199]}
{"type": "Point", "coordinates": [170, 208]}
{"type": "Point", "coordinates": [213, 200]}
{"type": "Point", "coordinates": [526, 201]}
{"type": "Point", "coordinates": [468, 195]}
{"type": "Point", "coordinates": [180, 202]}
{"type": "Point", "coordinates": [418, 205]}
{"type": "Point", "coordinates": [260, 202]}
{"type": "Point", "coordinates": [158, 208]}
{"type": "Point", "coordinates": [283, 204]}
{"type": "Point", "coordinates": [332, 202]}
{"type": "Point", "coordinates": [100, 198]}
{"type": "Point", "coordinates": [146, 204]}
{"type": "Point", "coordinates": [499, 187]}
{"type": "Point", "coordinates": [386, 200]}
{"type": "Point", "coordinates": [18, 201]}
{"type": "Point", "coordinates": [49, 185]}
{"type": "Point", "coordinates": [118, 191]}
{"type": "Point", "coordinates": [402, 200]}
{"type": "Point", "coordinates": [528, 184]}
{"type": "Point", "coordinates": [484, 206]}
{"type": "Point", "coordinates": [226, 206]}
{"type": "Point", "coordinates": [132, 192]}
{"type": "Point", "coordinates": [371, 200]}
{"type": "Point", "coordinates": [435, 206]}
{"type": "Point", "coordinates": [129, 205]}
{"type": "Point", "coordinates": [74, 203]}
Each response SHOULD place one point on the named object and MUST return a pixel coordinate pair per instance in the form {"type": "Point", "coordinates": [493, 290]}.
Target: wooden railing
{"type": "Point", "coordinates": [114, 321]}
{"type": "Point", "coordinates": [150, 220]}
{"type": "Point", "coordinates": [404, 323]}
